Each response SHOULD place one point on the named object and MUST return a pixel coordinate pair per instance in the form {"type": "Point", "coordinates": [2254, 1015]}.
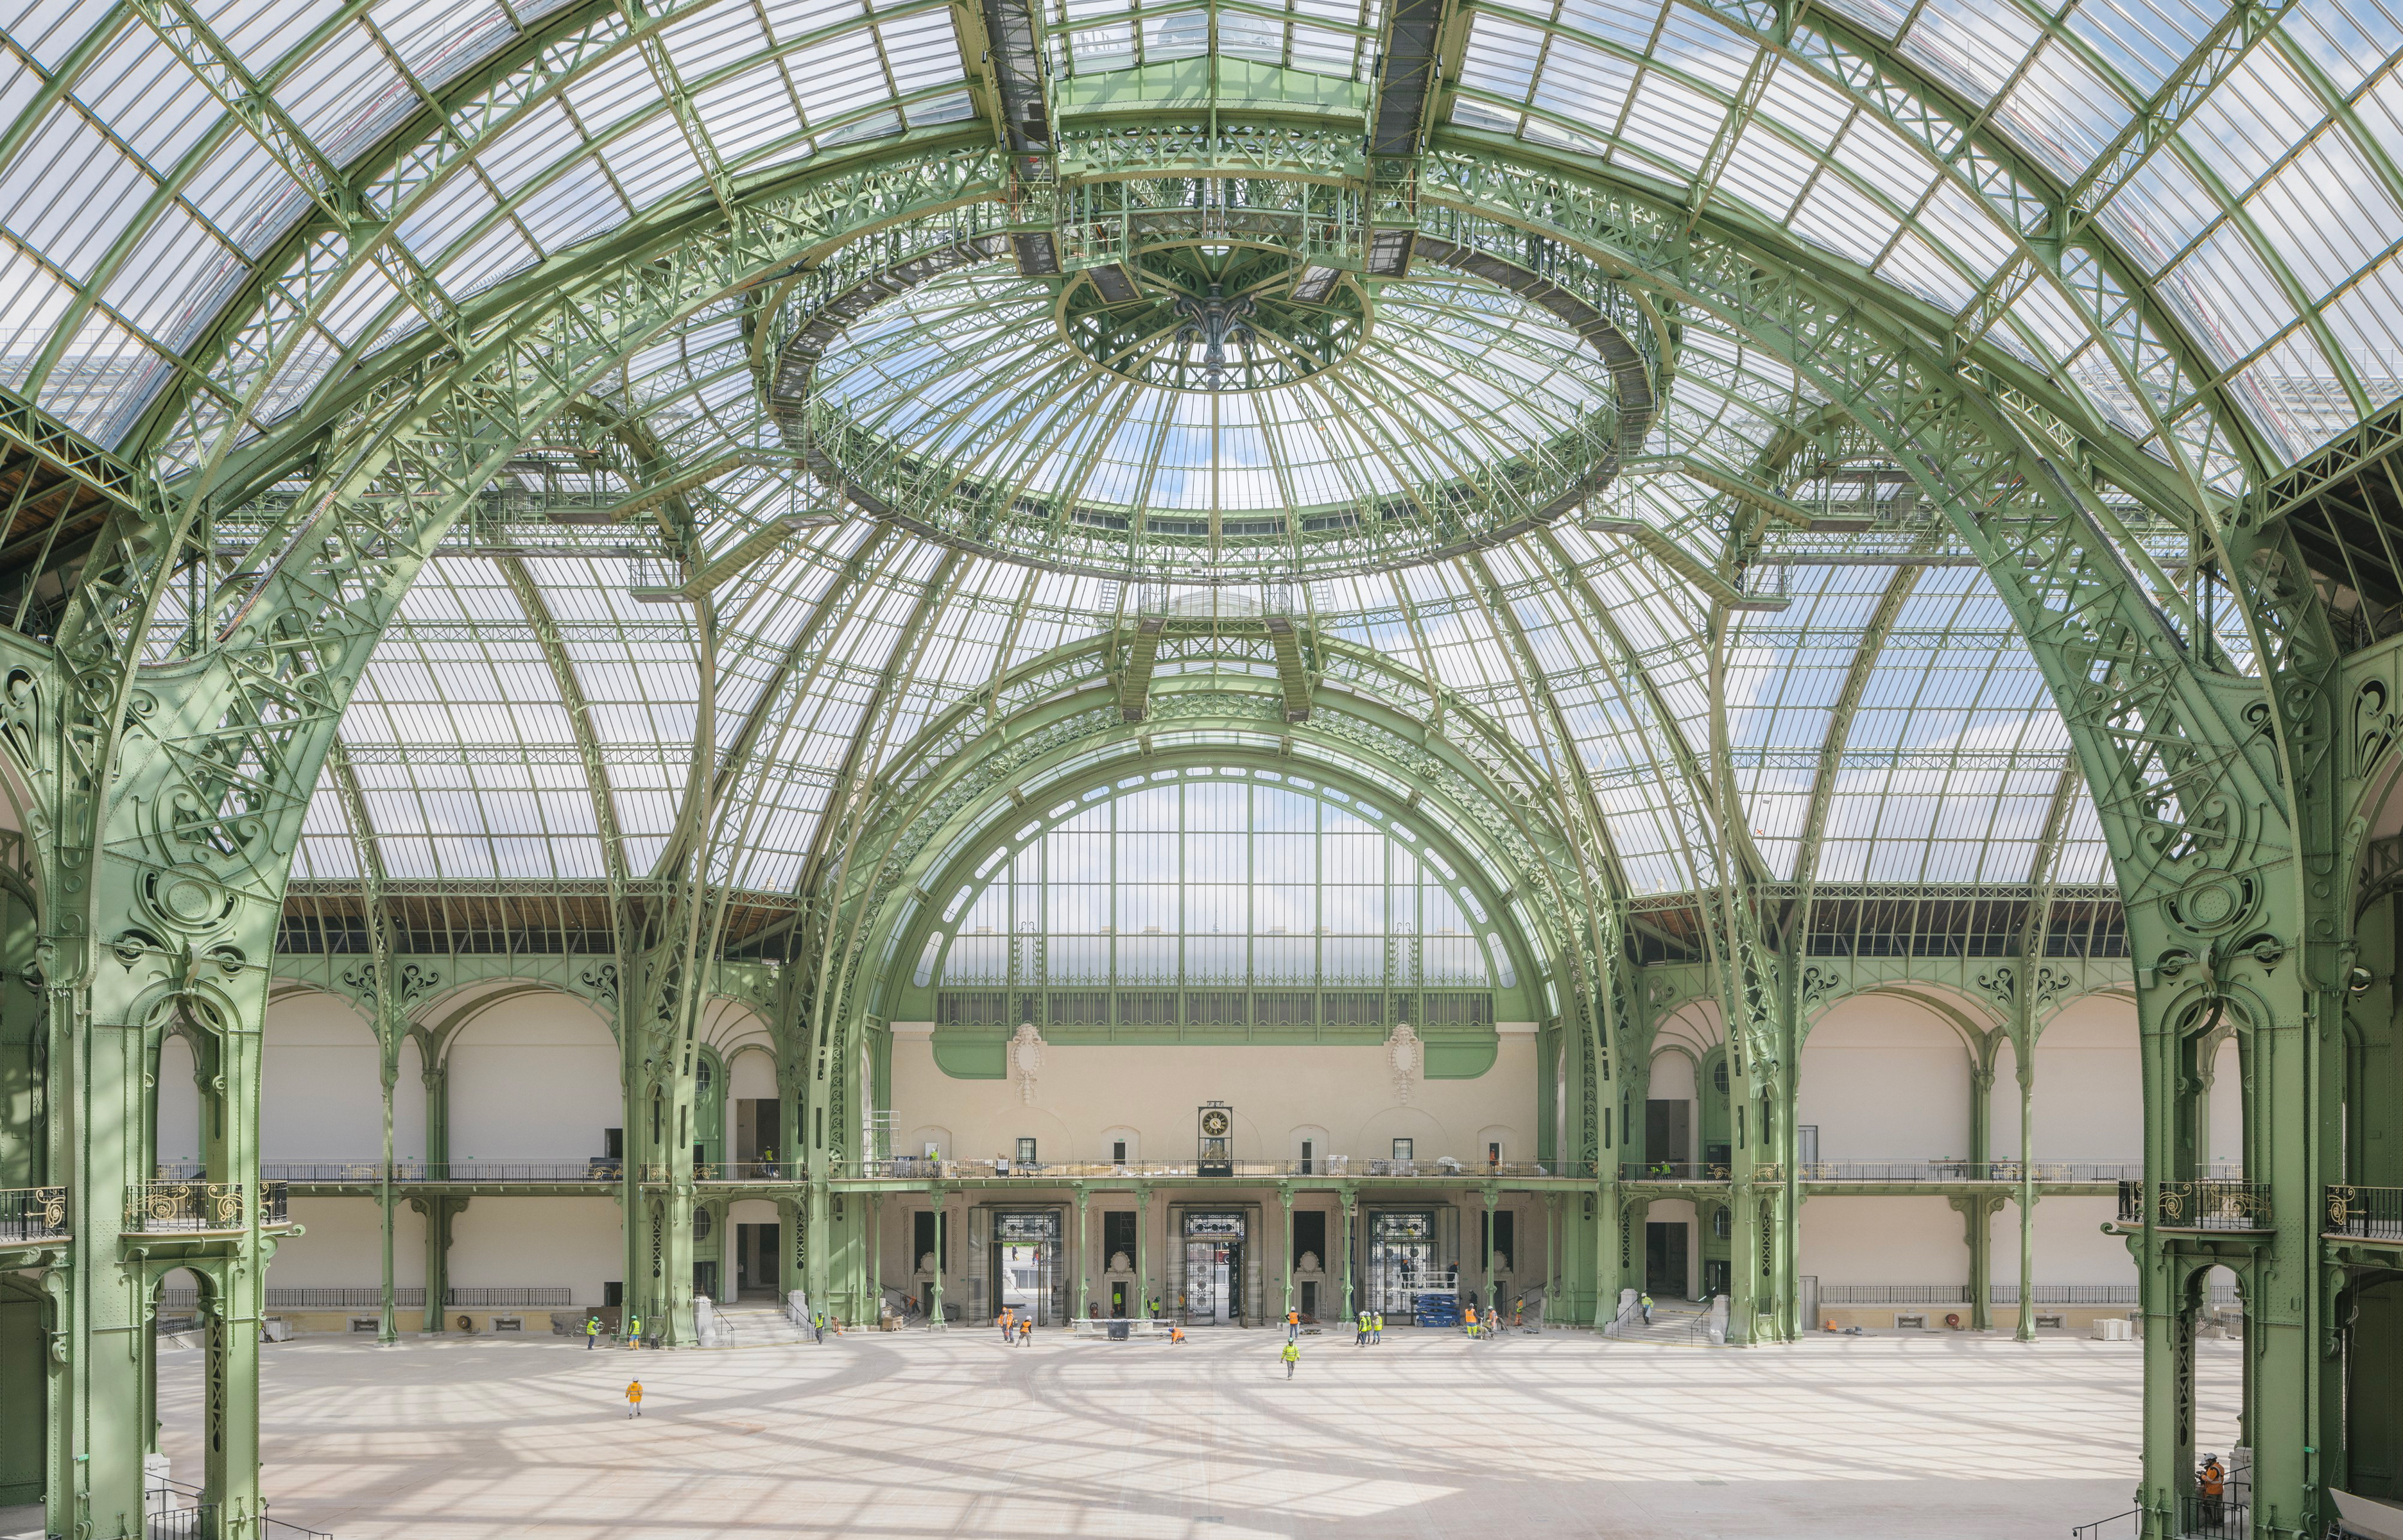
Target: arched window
{"type": "Point", "coordinates": [1222, 880]}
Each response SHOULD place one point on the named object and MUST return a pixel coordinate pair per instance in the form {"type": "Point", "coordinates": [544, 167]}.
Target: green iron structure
{"type": "Point", "coordinates": [167, 725]}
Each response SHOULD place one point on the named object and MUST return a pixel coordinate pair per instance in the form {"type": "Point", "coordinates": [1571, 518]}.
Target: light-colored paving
{"type": "Point", "coordinates": [890, 1438]}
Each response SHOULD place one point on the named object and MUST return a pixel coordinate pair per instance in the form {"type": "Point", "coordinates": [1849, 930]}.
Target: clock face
{"type": "Point", "coordinates": [1214, 1122]}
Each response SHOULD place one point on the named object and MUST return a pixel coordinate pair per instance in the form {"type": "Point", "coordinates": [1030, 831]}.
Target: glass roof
{"type": "Point", "coordinates": [2229, 297]}
{"type": "Point", "coordinates": [1135, 435]}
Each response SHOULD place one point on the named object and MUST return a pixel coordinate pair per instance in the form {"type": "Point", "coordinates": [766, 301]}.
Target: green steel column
{"type": "Point", "coordinates": [1142, 1250]}
{"type": "Point", "coordinates": [1980, 1229]}
{"type": "Point", "coordinates": [437, 1077]}
{"type": "Point", "coordinates": [1351, 1208]}
{"type": "Point", "coordinates": [1084, 1251]}
{"type": "Point", "coordinates": [935, 1306]}
{"type": "Point", "coordinates": [387, 1323]}
{"type": "Point", "coordinates": [1485, 1278]}
{"type": "Point", "coordinates": [1285, 1195]}
{"type": "Point", "coordinates": [2023, 1061]}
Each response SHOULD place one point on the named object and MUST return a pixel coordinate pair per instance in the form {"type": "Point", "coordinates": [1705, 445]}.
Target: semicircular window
{"type": "Point", "coordinates": [1225, 883]}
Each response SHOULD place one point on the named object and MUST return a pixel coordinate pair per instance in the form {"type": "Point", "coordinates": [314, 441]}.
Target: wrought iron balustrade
{"type": "Point", "coordinates": [2365, 1214]}
{"type": "Point", "coordinates": [594, 1171]}
{"type": "Point", "coordinates": [197, 1522]}
{"type": "Point", "coordinates": [1675, 1170]}
{"type": "Point", "coordinates": [165, 1207]}
{"type": "Point", "coordinates": [1440, 1168]}
{"type": "Point", "coordinates": [2208, 1204]}
{"type": "Point", "coordinates": [33, 1214]}
{"type": "Point", "coordinates": [328, 1173]}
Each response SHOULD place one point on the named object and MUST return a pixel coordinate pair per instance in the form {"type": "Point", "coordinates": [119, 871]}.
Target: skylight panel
{"type": "Point", "coordinates": [2293, 395]}
{"type": "Point", "coordinates": [2142, 40]}
{"type": "Point", "coordinates": [922, 50]}
{"type": "Point", "coordinates": [2250, 121]}
{"type": "Point", "coordinates": [437, 42]}
{"type": "Point", "coordinates": [1501, 57]}
{"type": "Point", "coordinates": [1960, 225]}
{"type": "Point", "coordinates": [651, 166]}
{"type": "Point", "coordinates": [1709, 54]}
{"type": "Point", "coordinates": [1840, 218]}
{"type": "Point", "coordinates": [1583, 86]}
{"type": "Point", "coordinates": [2159, 211]}
{"type": "Point", "coordinates": [2061, 112]}
{"type": "Point", "coordinates": [2233, 303]}
{"type": "Point", "coordinates": [1914, 264]}
{"type": "Point", "coordinates": [530, 147]}
{"type": "Point", "coordinates": [346, 97]}
{"type": "Point", "coordinates": [446, 216]}
{"type": "Point", "coordinates": [1972, 44]}
{"type": "Point", "coordinates": [51, 30]}
{"type": "Point", "coordinates": [575, 205]}
{"type": "Point", "coordinates": [746, 112]}
{"type": "Point", "coordinates": [1672, 122]}
{"type": "Point", "coordinates": [143, 93]}
{"type": "Point", "coordinates": [1178, 34]}
{"type": "Point", "coordinates": [173, 282]}
{"type": "Point", "coordinates": [102, 381]}
{"type": "Point", "coordinates": [2347, 39]}
{"type": "Point", "coordinates": [713, 38]}
{"type": "Point", "coordinates": [1324, 53]}
{"type": "Point", "coordinates": [2366, 320]}
{"type": "Point", "coordinates": [243, 193]}
{"type": "Point", "coordinates": [789, 20]}
{"type": "Point", "coordinates": [836, 77]}
{"type": "Point", "coordinates": [69, 193]}
{"type": "Point", "coordinates": [498, 253]}
{"type": "Point", "coordinates": [2326, 215]}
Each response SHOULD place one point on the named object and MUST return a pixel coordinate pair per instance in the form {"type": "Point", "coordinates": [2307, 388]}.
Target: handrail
{"type": "Point", "coordinates": [33, 1214]}
{"type": "Point", "coordinates": [2364, 1214]}
{"type": "Point", "coordinates": [155, 1207]}
{"type": "Point", "coordinates": [2203, 1205]}
{"type": "Point", "coordinates": [1442, 1168]}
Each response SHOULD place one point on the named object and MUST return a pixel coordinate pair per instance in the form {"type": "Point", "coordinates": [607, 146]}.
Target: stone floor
{"type": "Point", "coordinates": [889, 1437]}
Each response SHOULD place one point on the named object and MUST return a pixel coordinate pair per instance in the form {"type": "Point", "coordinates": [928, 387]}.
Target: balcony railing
{"type": "Point", "coordinates": [1674, 1171]}
{"type": "Point", "coordinates": [594, 1170]}
{"type": "Point", "coordinates": [2365, 1213]}
{"type": "Point", "coordinates": [1440, 1168]}
{"type": "Point", "coordinates": [735, 1171]}
{"type": "Point", "coordinates": [33, 1214]}
{"type": "Point", "coordinates": [156, 1207]}
{"type": "Point", "coordinates": [1969, 1171]}
{"type": "Point", "coordinates": [2200, 1206]}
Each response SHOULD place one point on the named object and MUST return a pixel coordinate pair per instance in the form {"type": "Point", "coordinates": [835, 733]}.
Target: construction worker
{"type": "Point", "coordinates": [1292, 1325]}
{"type": "Point", "coordinates": [1360, 1329]}
{"type": "Point", "coordinates": [634, 1331]}
{"type": "Point", "coordinates": [1008, 1325]}
{"type": "Point", "coordinates": [2210, 1485]}
{"type": "Point", "coordinates": [1472, 1322]}
{"type": "Point", "coordinates": [817, 1325]}
{"type": "Point", "coordinates": [1291, 1356]}
{"type": "Point", "coordinates": [1175, 1335]}
{"type": "Point", "coordinates": [1377, 1326]}
{"type": "Point", "coordinates": [633, 1398]}
{"type": "Point", "coordinates": [591, 1331]}
{"type": "Point", "coordinates": [1025, 1330]}
{"type": "Point", "coordinates": [1645, 1301]}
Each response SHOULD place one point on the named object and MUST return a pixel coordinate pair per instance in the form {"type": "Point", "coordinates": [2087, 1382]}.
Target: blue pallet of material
{"type": "Point", "coordinates": [1436, 1309]}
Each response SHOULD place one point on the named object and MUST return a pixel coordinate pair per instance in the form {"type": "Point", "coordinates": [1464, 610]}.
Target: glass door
{"type": "Point", "coordinates": [1214, 1269]}
{"type": "Point", "coordinates": [1402, 1263]}
{"type": "Point", "coordinates": [1027, 1274]}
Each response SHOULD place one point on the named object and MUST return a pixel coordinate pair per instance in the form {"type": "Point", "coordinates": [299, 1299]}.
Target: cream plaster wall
{"type": "Point", "coordinates": [534, 1243]}
{"type": "Point", "coordinates": [1883, 1241]}
{"type": "Point", "coordinates": [2070, 1245]}
{"type": "Point", "coordinates": [1673, 1078]}
{"type": "Point", "coordinates": [1083, 1092]}
{"type": "Point", "coordinates": [342, 1247]}
{"type": "Point", "coordinates": [533, 1078]}
{"type": "Point", "coordinates": [2090, 1101]}
{"type": "Point", "coordinates": [1884, 1079]}
{"type": "Point", "coordinates": [321, 1095]}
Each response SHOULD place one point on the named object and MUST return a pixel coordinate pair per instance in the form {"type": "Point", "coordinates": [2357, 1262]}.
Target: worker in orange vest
{"type": "Point", "coordinates": [1292, 1325]}
{"type": "Point", "coordinates": [2211, 1484]}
